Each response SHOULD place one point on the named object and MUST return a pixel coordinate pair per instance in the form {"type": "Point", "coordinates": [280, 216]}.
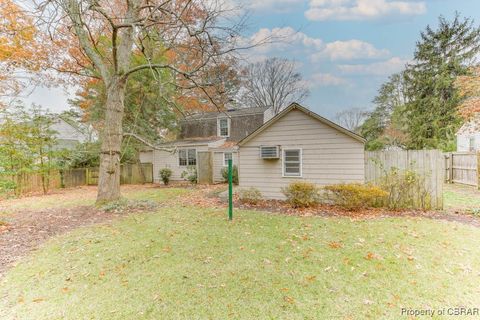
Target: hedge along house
{"type": "Point", "coordinates": [298, 144]}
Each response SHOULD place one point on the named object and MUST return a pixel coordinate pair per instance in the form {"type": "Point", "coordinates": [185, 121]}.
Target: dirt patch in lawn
{"type": "Point", "coordinates": [27, 229]}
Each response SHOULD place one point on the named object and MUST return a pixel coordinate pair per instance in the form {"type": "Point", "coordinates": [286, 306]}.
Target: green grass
{"type": "Point", "coordinates": [84, 197]}
{"type": "Point", "coordinates": [461, 197]}
{"type": "Point", "coordinates": [190, 263]}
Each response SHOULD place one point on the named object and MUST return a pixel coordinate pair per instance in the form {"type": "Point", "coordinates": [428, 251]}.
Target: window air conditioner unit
{"type": "Point", "coordinates": [269, 152]}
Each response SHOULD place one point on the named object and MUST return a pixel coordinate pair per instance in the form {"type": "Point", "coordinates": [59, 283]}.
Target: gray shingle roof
{"type": "Point", "coordinates": [231, 113]}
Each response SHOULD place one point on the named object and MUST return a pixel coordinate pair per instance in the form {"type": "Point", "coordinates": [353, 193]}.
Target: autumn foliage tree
{"type": "Point", "coordinates": [469, 90]}
{"type": "Point", "coordinates": [20, 50]}
{"type": "Point", "coordinates": [195, 36]}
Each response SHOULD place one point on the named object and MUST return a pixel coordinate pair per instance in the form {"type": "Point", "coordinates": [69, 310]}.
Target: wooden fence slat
{"type": "Point", "coordinates": [428, 164]}
{"type": "Point", "coordinates": [462, 168]}
{"type": "Point", "coordinates": [130, 174]}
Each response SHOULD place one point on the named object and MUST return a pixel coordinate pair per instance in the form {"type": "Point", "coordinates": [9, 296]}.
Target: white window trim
{"type": "Point", "coordinates": [283, 163]}
{"type": "Point", "coordinates": [228, 127]}
{"type": "Point", "coordinates": [187, 165]}
{"type": "Point", "coordinates": [224, 164]}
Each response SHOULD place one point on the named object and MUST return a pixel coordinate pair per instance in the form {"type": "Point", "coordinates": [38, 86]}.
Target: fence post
{"type": "Point", "coordinates": [478, 170]}
{"type": "Point", "coordinates": [451, 167]}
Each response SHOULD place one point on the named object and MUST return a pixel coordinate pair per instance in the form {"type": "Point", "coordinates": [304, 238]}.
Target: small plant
{"type": "Point", "coordinates": [354, 196]}
{"type": "Point", "coordinates": [190, 174]}
{"type": "Point", "coordinates": [234, 174]}
{"type": "Point", "coordinates": [125, 206]}
{"type": "Point", "coordinates": [250, 195]}
{"type": "Point", "coordinates": [301, 194]}
{"type": "Point", "coordinates": [165, 175]}
{"type": "Point", "coordinates": [7, 187]}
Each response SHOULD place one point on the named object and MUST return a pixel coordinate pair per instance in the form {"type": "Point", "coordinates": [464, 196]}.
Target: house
{"type": "Point", "coordinates": [206, 142]}
{"type": "Point", "coordinates": [468, 136]}
{"type": "Point", "coordinates": [69, 132]}
{"type": "Point", "coordinates": [298, 144]}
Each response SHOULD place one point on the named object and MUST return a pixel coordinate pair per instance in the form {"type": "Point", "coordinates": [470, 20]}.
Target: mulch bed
{"type": "Point", "coordinates": [325, 210]}
{"type": "Point", "coordinates": [25, 230]}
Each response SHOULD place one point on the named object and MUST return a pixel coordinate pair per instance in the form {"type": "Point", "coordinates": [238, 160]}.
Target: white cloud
{"type": "Point", "coordinates": [387, 67]}
{"type": "Point", "coordinates": [275, 5]}
{"type": "Point", "coordinates": [320, 10]}
{"type": "Point", "coordinates": [326, 80]}
{"type": "Point", "coordinates": [288, 39]}
{"type": "Point", "coordinates": [350, 50]}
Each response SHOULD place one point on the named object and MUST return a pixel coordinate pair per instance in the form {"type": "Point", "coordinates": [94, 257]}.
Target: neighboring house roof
{"type": "Point", "coordinates": [191, 141]}
{"type": "Point", "coordinates": [228, 113]}
{"type": "Point", "coordinates": [296, 106]}
{"type": "Point", "coordinates": [470, 127]}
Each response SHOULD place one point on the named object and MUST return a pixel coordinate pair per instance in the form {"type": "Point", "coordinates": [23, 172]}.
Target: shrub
{"type": "Point", "coordinates": [190, 174]}
{"type": "Point", "coordinates": [234, 174]}
{"type": "Point", "coordinates": [7, 187]}
{"type": "Point", "coordinates": [250, 195]}
{"type": "Point", "coordinates": [406, 189]}
{"type": "Point", "coordinates": [165, 175]}
{"type": "Point", "coordinates": [301, 194]}
{"type": "Point", "coordinates": [354, 196]}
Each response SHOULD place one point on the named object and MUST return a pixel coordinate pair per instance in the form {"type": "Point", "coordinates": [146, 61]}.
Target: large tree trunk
{"type": "Point", "coordinates": [112, 134]}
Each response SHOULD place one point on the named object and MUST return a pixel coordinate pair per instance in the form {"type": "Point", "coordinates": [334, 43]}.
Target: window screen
{"type": "Point", "coordinates": [227, 156]}
{"type": "Point", "coordinates": [224, 130]}
{"type": "Point", "coordinates": [292, 163]}
{"type": "Point", "coordinates": [187, 157]}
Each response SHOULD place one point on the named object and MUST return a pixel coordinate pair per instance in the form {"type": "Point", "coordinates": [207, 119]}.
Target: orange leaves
{"type": "Point", "coordinates": [469, 89]}
{"type": "Point", "coordinates": [335, 245]}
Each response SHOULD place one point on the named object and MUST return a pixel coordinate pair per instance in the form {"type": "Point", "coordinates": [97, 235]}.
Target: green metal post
{"type": "Point", "coordinates": [230, 191]}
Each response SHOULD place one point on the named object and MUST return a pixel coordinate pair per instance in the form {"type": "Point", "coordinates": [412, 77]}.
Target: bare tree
{"type": "Point", "coordinates": [273, 83]}
{"type": "Point", "coordinates": [351, 119]}
{"type": "Point", "coordinates": [186, 37]}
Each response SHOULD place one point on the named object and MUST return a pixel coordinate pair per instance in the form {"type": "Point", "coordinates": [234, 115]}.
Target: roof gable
{"type": "Point", "coordinates": [296, 106]}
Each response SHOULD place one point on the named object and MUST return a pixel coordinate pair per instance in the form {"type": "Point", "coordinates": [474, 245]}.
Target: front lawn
{"type": "Point", "coordinates": [458, 197]}
{"type": "Point", "coordinates": [190, 263]}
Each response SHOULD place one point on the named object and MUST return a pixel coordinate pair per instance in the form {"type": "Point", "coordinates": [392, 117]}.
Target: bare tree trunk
{"type": "Point", "coordinates": [109, 172]}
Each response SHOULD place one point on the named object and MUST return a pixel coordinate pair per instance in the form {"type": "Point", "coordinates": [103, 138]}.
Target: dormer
{"type": "Point", "coordinates": [233, 125]}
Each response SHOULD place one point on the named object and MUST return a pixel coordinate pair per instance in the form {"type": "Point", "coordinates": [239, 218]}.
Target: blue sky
{"type": "Point", "coordinates": [345, 49]}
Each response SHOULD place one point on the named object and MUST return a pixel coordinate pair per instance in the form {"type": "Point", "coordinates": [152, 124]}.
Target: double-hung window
{"type": "Point", "coordinates": [187, 157]}
{"type": "Point", "coordinates": [223, 127]}
{"type": "Point", "coordinates": [292, 162]}
{"type": "Point", "coordinates": [471, 144]}
{"type": "Point", "coordinates": [227, 156]}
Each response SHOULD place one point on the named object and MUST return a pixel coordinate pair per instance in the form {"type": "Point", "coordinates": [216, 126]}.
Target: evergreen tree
{"type": "Point", "coordinates": [441, 56]}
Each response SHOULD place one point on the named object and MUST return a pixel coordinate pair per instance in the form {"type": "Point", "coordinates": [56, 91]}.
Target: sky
{"type": "Point", "coordinates": [344, 49]}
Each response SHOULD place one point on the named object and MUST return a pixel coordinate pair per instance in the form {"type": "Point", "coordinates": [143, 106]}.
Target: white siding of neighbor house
{"type": "Point", "coordinates": [463, 142]}
{"type": "Point", "coordinates": [328, 155]}
{"type": "Point", "coordinates": [218, 164]}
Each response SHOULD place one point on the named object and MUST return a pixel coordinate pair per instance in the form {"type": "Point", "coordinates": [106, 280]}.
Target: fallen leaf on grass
{"type": "Point", "coordinates": [335, 245]}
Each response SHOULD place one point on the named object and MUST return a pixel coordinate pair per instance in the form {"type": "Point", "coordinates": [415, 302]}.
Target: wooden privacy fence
{"type": "Point", "coordinates": [129, 174]}
{"type": "Point", "coordinates": [32, 182]}
{"type": "Point", "coordinates": [428, 165]}
{"type": "Point", "coordinates": [461, 167]}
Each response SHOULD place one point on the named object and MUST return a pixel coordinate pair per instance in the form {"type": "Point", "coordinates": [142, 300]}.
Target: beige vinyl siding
{"type": "Point", "coordinates": [146, 156]}
{"type": "Point", "coordinates": [218, 164]}
{"type": "Point", "coordinates": [166, 159]}
{"type": "Point", "coordinates": [328, 155]}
